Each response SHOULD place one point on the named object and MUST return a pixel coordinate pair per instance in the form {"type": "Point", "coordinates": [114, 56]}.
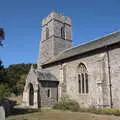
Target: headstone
{"type": "Point", "coordinates": [2, 113]}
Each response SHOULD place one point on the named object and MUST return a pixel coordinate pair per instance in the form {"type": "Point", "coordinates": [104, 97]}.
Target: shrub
{"type": "Point", "coordinates": [24, 119]}
{"type": "Point", "coordinates": [4, 91]}
{"type": "Point", "coordinates": [67, 104]}
{"type": "Point", "coordinates": [108, 111]}
{"type": "Point", "coordinates": [21, 119]}
{"type": "Point", "coordinates": [111, 111]}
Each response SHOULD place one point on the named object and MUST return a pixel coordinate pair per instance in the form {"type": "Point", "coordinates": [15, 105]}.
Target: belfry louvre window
{"type": "Point", "coordinates": [47, 33]}
{"type": "Point", "coordinates": [82, 79]}
{"type": "Point", "coordinates": [63, 32]}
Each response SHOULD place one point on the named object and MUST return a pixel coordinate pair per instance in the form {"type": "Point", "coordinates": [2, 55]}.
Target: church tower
{"type": "Point", "coordinates": [55, 36]}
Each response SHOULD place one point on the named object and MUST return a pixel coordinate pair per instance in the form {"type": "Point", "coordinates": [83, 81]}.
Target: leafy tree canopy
{"type": "Point", "coordinates": [12, 79]}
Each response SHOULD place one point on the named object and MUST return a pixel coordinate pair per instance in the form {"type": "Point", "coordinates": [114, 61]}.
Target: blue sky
{"type": "Point", "coordinates": [21, 20]}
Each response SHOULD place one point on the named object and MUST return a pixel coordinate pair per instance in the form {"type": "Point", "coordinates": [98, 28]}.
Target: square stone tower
{"type": "Point", "coordinates": [55, 36]}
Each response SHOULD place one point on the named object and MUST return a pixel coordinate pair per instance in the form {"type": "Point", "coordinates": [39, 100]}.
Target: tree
{"type": "Point", "coordinates": [4, 90]}
{"type": "Point", "coordinates": [1, 36]}
{"type": "Point", "coordinates": [2, 72]}
{"type": "Point", "coordinates": [3, 85]}
{"type": "Point", "coordinates": [16, 75]}
{"type": "Point", "coordinates": [1, 66]}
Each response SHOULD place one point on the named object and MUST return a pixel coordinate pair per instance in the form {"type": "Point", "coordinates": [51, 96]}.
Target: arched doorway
{"type": "Point", "coordinates": [39, 98]}
{"type": "Point", "coordinates": [31, 94]}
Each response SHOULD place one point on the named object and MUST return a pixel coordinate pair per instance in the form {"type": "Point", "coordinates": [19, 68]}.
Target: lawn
{"type": "Point", "coordinates": [60, 115]}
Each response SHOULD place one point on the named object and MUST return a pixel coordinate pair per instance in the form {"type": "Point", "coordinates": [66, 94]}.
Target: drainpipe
{"type": "Point", "coordinates": [109, 77]}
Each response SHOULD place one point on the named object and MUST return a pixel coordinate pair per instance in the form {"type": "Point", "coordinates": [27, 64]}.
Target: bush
{"type": "Point", "coordinates": [67, 104]}
{"type": "Point", "coordinates": [21, 119]}
{"type": "Point", "coordinates": [108, 111]}
{"type": "Point", "coordinates": [4, 91]}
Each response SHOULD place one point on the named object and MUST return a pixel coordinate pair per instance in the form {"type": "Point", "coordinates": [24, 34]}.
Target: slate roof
{"type": "Point", "coordinates": [45, 75]}
{"type": "Point", "coordinates": [107, 40]}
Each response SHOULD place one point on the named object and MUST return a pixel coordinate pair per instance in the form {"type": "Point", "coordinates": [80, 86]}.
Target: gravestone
{"type": "Point", "coordinates": [2, 113]}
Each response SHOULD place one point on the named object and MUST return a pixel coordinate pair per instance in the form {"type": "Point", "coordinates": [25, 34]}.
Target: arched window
{"type": "Point", "coordinates": [63, 32]}
{"type": "Point", "coordinates": [82, 79]}
{"type": "Point", "coordinates": [47, 33]}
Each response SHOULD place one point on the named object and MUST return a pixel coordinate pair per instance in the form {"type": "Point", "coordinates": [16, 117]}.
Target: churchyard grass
{"type": "Point", "coordinates": [49, 114]}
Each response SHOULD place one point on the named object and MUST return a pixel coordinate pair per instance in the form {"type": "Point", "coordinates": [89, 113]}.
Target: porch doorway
{"type": "Point", "coordinates": [31, 95]}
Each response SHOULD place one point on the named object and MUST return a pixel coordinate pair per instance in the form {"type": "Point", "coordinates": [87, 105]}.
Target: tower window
{"type": "Point", "coordinates": [47, 33]}
{"type": "Point", "coordinates": [63, 32]}
{"type": "Point", "coordinates": [82, 79]}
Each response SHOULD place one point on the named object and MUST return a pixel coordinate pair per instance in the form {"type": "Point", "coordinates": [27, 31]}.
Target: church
{"type": "Point", "coordinates": [88, 73]}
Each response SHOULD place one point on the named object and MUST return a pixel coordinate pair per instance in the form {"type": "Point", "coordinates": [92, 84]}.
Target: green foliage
{"type": "Point", "coordinates": [2, 72]}
{"type": "Point", "coordinates": [16, 75]}
{"type": "Point", "coordinates": [21, 119]}
{"type": "Point", "coordinates": [24, 119]}
{"type": "Point", "coordinates": [13, 78]}
{"type": "Point", "coordinates": [2, 36]}
{"type": "Point", "coordinates": [4, 91]}
{"type": "Point", "coordinates": [67, 104]}
{"type": "Point", "coordinates": [109, 111]}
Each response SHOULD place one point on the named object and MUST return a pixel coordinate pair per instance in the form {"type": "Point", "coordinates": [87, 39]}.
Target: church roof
{"type": "Point", "coordinates": [107, 40]}
{"type": "Point", "coordinates": [45, 76]}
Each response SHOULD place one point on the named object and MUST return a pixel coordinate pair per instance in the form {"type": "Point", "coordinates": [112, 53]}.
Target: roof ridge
{"type": "Point", "coordinates": [94, 40]}
{"type": "Point", "coordinates": [89, 43]}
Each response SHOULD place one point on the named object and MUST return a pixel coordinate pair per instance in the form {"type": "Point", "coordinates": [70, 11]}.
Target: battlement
{"type": "Point", "coordinates": [58, 17]}
{"type": "Point", "coordinates": [55, 37]}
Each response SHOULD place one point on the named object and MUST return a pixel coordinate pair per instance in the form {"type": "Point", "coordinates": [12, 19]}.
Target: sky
{"type": "Point", "coordinates": [21, 20]}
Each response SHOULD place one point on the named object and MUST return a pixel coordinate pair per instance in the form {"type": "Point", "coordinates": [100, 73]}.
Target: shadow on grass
{"type": "Point", "coordinates": [18, 111]}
